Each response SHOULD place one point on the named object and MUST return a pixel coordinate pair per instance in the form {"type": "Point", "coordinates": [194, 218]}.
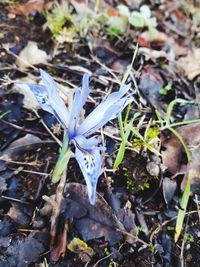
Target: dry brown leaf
{"type": "Point", "coordinates": [31, 55]}
{"type": "Point", "coordinates": [173, 149]}
{"type": "Point", "coordinates": [99, 220]}
{"type": "Point", "coordinates": [28, 8]}
{"type": "Point", "coordinates": [190, 64]}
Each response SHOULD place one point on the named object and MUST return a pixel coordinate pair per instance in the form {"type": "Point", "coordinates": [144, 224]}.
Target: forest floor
{"type": "Point", "coordinates": [147, 210]}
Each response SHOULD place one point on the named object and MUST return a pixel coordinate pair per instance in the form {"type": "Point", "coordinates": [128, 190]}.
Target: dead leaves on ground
{"type": "Point", "coordinates": [99, 220]}
{"type": "Point", "coordinates": [173, 155]}
{"type": "Point", "coordinates": [29, 7]}
{"type": "Point", "coordinates": [190, 64]}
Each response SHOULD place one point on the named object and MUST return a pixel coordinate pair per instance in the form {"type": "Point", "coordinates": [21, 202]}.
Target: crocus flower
{"type": "Point", "coordinates": [87, 149]}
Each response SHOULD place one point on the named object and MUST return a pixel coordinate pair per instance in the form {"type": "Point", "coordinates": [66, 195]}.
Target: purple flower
{"type": "Point", "coordinates": [87, 149]}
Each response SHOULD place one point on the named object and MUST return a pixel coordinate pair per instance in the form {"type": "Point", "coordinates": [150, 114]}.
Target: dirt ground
{"type": "Point", "coordinates": [147, 209]}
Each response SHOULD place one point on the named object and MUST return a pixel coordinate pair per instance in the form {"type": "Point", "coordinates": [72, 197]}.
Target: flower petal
{"type": "Point", "coordinates": [89, 159]}
{"type": "Point", "coordinates": [55, 101]}
{"type": "Point", "coordinates": [107, 110]}
{"type": "Point", "coordinates": [41, 95]}
{"type": "Point", "coordinates": [80, 98]}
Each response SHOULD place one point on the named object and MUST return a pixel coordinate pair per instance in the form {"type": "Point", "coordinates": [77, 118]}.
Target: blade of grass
{"type": "Point", "coordinates": [182, 210]}
{"type": "Point", "coordinates": [171, 106]}
{"type": "Point", "coordinates": [4, 114]}
{"type": "Point", "coordinates": [186, 193]}
{"type": "Point", "coordinates": [124, 136]}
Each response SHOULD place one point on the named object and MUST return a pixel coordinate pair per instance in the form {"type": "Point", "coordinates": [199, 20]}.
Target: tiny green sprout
{"type": "Point", "coordinates": [170, 228]}
{"type": "Point", "coordinates": [31, 18]}
{"type": "Point", "coordinates": [129, 183]}
{"type": "Point", "coordinates": [143, 19]}
{"type": "Point", "coordinates": [144, 186]}
{"type": "Point", "coordinates": [61, 23]}
{"type": "Point", "coordinates": [153, 132]}
{"type": "Point", "coordinates": [189, 238]}
{"type": "Point", "coordinates": [112, 264]}
{"type": "Point", "coordinates": [164, 90]}
{"type": "Point", "coordinates": [140, 229]}
{"type": "Point", "coordinates": [4, 114]}
{"type": "Point", "coordinates": [106, 252]}
{"type": "Point", "coordinates": [18, 170]}
{"type": "Point", "coordinates": [148, 141]}
{"type": "Point", "coordinates": [118, 24]}
{"type": "Point", "coordinates": [153, 248]}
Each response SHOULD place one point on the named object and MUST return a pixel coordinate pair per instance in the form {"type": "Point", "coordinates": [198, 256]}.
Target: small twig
{"type": "Point", "coordinates": [23, 129]}
{"type": "Point", "coordinates": [104, 258]}
{"type": "Point", "coordinates": [33, 163]}
{"type": "Point", "coordinates": [33, 172]}
{"type": "Point", "coordinates": [56, 205]}
{"type": "Point", "coordinates": [183, 243]}
{"type": "Point", "coordinates": [15, 200]}
{"type": "Point", "coordinates": [48, 130]}
{"type": "Point", "coordinates": [158, 229]}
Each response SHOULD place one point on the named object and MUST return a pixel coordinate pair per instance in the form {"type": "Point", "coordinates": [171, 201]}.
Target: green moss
{"type": "Point", "coordinates": [135, 185]}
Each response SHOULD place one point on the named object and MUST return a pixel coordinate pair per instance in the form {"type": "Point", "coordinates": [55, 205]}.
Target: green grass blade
{"type": "Point", "coordinates": [186, 193]}
{"type": "Point", "coordinates": [182, 210]}
{"type": "Point", "coordinates": [60, 166]}
{"type": "Point", "coordinates": [4, 114]}
{"type": "Point", "coordinates": [171, 106]}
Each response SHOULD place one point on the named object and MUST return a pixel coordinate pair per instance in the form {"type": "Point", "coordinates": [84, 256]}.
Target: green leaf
{"type": "Point", "coordinates": [124, 136]}
{"type": "Point", "coordinates": [171, 106]}
{"type": "Point", "coordinates": [4, 114]}
{"type": "Point", "coordinates": [164, 90]}
{"type": "Point", "coordinates": [123, 10]}
{"type": "Point", "coordinates": [145, 11]}
{"type": "Point", "coordinates": [60, 166]}
{"type": "Point", "coordinates": [136, 20]}
{"type": "Point", "coordinates": [117, 26]}
{"type": "Point", "coordinates": [182, 210]}
{"type": "Point", "coordinates": [151, 22]}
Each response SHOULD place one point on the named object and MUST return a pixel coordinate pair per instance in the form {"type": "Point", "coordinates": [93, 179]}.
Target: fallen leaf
{"type": "Point", "coordinates": [20, 251]}
{"type": "Point", "coordinates": [169, 187]}
{"type": "Point", "coordinates": [28, 8]}
{"type": "Point", "coordinates": [19, 215]}
{"type": "Point", "coordinates": [190, 64]}
{"type": "Point", "coordinates": [172, 154]}
{"type": "Point", "coordinates": [20, 145]}
{"type": "Point", "coordinates": [155, 54]}
{"type": "Point", "coordinates": [194, 170]}
{"type": "Point", "coordinates": [150, 85]}
{"type": "Point", "coordinates": [78, 246]}
{"type": "Point", "coordinates": [31, 55]}
{"type": "Point", "coordinates": [100, 220]}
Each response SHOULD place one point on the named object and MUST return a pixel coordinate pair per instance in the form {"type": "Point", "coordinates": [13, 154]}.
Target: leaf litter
{"type": "Point", "coordinates": [133, 220]}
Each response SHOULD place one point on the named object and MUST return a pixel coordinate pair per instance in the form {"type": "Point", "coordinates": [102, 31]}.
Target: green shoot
{"type": "Point", "coordinates": [164, 90]}
{"type": "Point", "coordinates": [182, 210]}
{"type": "Point", "coordinates": [125, 135]}
{"type": "Point", "coordinates": [4, 114]}
{"type": "Point", "coordinates": [63, 159]}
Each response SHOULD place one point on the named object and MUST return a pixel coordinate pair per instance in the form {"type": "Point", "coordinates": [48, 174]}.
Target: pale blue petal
{"type": "Point", "coordinates": [94, 123]}
{"type": "Point", "coordinates": [48, 82]}
{"type": "Point", "coordinates": [41, 95]}
{"type": "Point", "coordinates": [54, 99]}
{"type": "Point", "coordinates": [80, 98]}
{"type": "Point", "coordinates": [100, 115]}
{"type": "Point", "coordinates": [89, 159]}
